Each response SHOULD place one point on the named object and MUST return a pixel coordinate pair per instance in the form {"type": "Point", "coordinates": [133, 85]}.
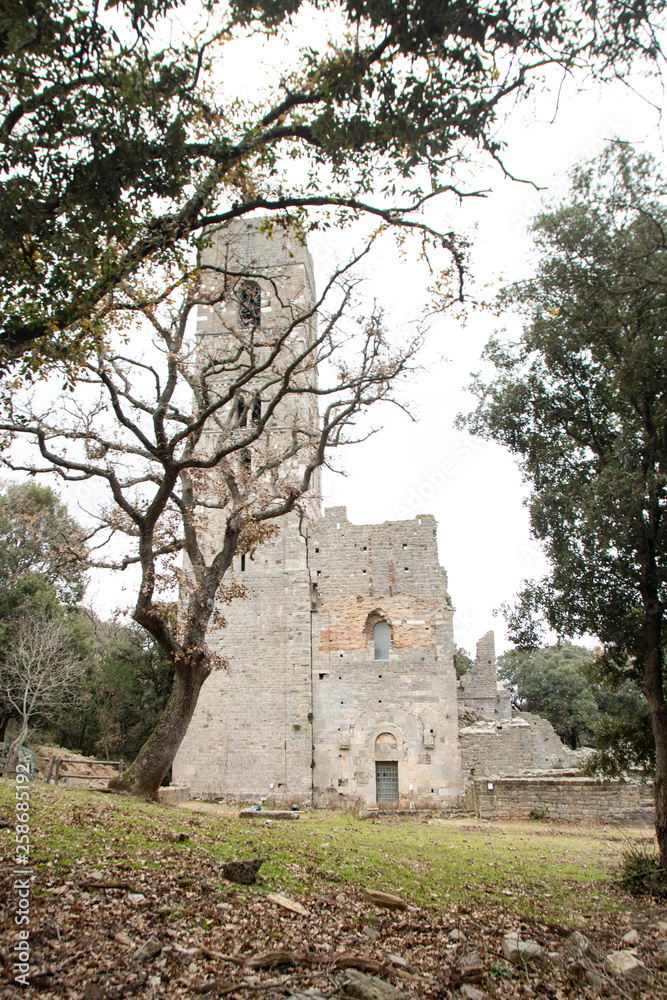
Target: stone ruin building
{"type": "Point", "coordinates": [341, 686]}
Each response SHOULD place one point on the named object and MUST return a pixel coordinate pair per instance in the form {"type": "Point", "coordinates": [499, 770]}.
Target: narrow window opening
{"type": "Point", "coordinates": [243, 563]}
{"type": "Point", "coordinates": [256, 411]}
{"type": "Point", "coordinates": [405, 545]}
{"type": "Point", "coordinates": [406, 569]}
{"type": "Point", "coordinates": [317, 550]}
{"type": "Point", "coordinates": [322, 676]}
{"type": "Point", "coordinates": [250, 304]}
{"type": "Point", "coordinates": [241, 412]}
{"type": "Point", "coordinates": [382, 639]}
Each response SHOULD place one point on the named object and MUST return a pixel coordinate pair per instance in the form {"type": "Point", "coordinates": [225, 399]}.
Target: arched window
{"type": "Point", "coordinates": [382, 638]}
{"type": "Point", "coordinates": [242, 408]}
{"type": "Point", "coordinates": [250, 304]}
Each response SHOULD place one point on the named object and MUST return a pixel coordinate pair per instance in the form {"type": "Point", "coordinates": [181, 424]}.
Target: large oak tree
{"type": "Point", "coordinates": [202, 443]}
{"type": "Point", "coordinates": [120, 140]}
{"type": "Point", "coordinates": [581, 401]}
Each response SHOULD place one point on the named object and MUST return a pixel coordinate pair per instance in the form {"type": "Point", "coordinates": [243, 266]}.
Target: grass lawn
{"type": "Point", "coordinates": [111, 872]}
{"type": "Point", "coordinates": [561, 874]}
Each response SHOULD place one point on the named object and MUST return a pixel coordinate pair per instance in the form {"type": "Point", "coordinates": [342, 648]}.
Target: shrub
{"type": "Point", "coordinates": [641, 873]}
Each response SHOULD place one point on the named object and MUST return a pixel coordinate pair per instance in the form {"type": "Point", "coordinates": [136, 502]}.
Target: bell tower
{"type": "Point", "coordinates": [251, 734]}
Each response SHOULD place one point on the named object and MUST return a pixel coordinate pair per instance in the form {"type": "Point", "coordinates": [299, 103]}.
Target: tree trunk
{"type": "Point", "coordinates": [14, 749]}
{"type": "Point", "coordinates": [655, 696]}
{"type": "Point", "coordinates": [145, 775]}
{"type": "Point", "coordinates": [4, 722]}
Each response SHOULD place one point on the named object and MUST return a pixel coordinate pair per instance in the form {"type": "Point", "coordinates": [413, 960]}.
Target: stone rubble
{"type": "Point", "coordinates": [626, 965]}
{"type": "Point", "coordinates": [519, 952]}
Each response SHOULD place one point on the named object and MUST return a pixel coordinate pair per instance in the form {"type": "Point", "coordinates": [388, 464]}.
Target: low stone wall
{"type": "Point", "coordinates": [563, 800]}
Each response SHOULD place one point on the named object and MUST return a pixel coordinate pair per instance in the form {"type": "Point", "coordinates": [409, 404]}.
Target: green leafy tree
{"type": "Point", "coordinates": [623, 733]}
{"type": "Point", "coordinates": [550, 682]}
{"type": "Point", "coordinates": [39, 542]}
{"type": "Point", "coordinates": [127, 685]}
{"type": "Point", "coordinates": [118, 146]}
{"type": "Point", "coordinates": [581, 401]}
{"type": "Point", "coordinates": [462, 662]}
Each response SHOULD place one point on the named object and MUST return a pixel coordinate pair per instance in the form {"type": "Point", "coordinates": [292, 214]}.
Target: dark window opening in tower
{"type": "Point", "coordinates": [382, 638]}
{"type": "Point", "coordinates": [243, 563]}
{"type": "Point", "coordinates": [250, 304]}
{"type": "Point", "coordinates": [241, 412]}
{"type": "Point", "coordinates": [256, 411]}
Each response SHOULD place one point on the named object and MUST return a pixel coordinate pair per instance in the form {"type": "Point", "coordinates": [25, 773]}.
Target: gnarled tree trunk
{"type": "Point", "coordinates": [145, 775]}
{"type": "Point", "coordinates": [14, 749]}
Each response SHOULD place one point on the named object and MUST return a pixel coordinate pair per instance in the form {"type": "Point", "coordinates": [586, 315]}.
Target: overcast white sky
{"type": "Point", "coordinates": [473, 488]}
{"type": "Point", "coordinates": [483, 534]}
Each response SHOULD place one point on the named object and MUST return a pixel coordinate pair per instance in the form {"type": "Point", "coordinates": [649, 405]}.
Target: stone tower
{"type": "Point", "coordinates": [251, 732]}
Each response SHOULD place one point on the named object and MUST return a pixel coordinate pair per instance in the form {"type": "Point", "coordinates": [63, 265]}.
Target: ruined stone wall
{"type": "Point", "coordinates": [364, 710]}
{"type": "Point", "coordinates": [479, 689]}
{"type": "Point", "coordinates": [563, 800]}
{"type": "Point", "coordinates": [524, 743]}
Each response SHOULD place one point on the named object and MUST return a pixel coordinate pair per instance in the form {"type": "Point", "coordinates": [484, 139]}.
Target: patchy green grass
{"type": "Point", "coordinates": [565, 875]}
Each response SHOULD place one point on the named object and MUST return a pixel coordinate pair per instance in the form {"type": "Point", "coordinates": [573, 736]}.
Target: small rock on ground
{"type": "Point", "coordinates": [582, 971]}
{"type": "Point", "coordinates": [577, 945]}
{"type": "Point", "coordinates": [626, 965]}
{"type": "Point", "coordinates": [517, 951]}
{"type": "Point", "coordinates": [385, 899]}
{"type": "Point", "coordinates": [472, 993]}
{"type": "Point", "coordinates": [363, 987]}
{"type": "Point", "coordinates": [149, 949]}
{"type": "Point", "coordinates": [470, 965]}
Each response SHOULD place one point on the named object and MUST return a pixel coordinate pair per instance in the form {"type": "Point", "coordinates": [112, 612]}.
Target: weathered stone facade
{"type": "Point", "coordinates": [341, 685]}
{"type": "Point", "coordinates": [368, 710]}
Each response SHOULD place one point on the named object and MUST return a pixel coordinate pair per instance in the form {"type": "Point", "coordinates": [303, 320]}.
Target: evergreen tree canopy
{"type": "Point", "coordinates": [581, 401]}
{"type": "Point", "coordinates": [550, 683]}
